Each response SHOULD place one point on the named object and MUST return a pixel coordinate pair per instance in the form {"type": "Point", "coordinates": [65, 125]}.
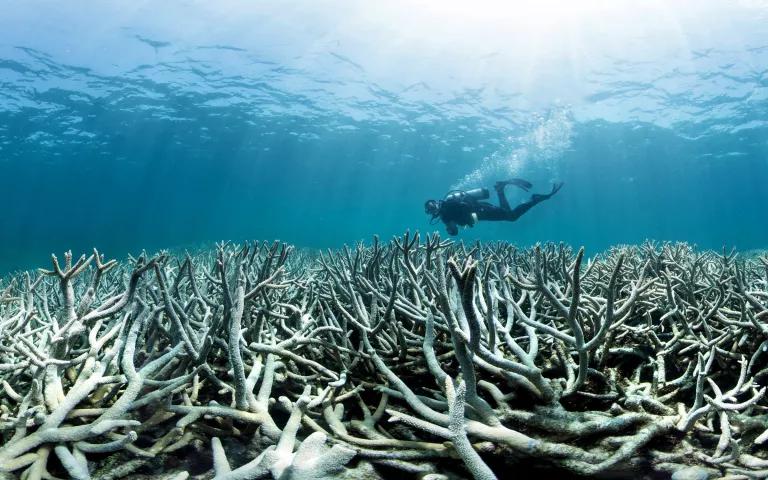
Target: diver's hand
{"type": "Point", "coordinates": [474, 220]}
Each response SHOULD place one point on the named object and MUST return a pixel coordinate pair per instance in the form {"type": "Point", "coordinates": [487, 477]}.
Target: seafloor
{"type": "Point", "coordinates": [414, 359]}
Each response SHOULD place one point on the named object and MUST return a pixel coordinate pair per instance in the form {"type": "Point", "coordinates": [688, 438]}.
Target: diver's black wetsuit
{"type": "Point", "coordinates": [457, 209]}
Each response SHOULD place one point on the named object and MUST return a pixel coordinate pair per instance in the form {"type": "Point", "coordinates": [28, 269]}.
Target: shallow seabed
{"type": "Point", "coordinates": [417, 358]}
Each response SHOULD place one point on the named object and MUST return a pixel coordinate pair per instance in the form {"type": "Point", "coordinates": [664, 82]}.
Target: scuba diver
{"type": "Point", "coordinates": [465, 208]}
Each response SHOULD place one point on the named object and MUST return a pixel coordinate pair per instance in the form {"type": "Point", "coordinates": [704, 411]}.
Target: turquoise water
{"type": "Point", "coordinates": [147, 125]}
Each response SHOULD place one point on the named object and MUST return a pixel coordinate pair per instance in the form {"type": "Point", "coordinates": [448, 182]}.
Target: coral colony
{"type": "Point", "coordinates": [417, 359]}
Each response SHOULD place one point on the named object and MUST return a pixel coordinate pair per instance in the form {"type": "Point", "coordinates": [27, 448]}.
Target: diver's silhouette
{"type": "Point", "coordinates": [465, 208]}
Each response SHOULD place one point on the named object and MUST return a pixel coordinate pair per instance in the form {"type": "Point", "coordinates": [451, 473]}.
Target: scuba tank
{"type": "Point", "coordinates": [474, 194]}
{"type": "Point", "coordinates": [478, 193]}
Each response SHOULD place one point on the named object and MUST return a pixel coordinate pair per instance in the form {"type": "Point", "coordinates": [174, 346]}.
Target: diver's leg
{"type": "Point", "coordinates": [518, 182]}
{"type": "Point", "coordinates": [503, 203]}
{"type": "Point", "coordinates": [536, 198]}
{"type": "Point", "coordinates": [543, 196]}
{"type": "Point", "coordinates": [518, 211]}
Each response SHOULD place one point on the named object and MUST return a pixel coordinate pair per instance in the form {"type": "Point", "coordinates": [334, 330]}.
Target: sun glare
{"type": "Point", "coordinates": [525, 14]}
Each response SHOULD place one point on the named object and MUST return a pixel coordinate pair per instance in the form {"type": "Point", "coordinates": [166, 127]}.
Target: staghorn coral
{"type": "Point", "coordinates": [420, 357]}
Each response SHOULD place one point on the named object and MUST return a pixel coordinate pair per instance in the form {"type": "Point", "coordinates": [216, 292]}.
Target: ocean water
{"type": "Point", "coordinates": [146, 125]}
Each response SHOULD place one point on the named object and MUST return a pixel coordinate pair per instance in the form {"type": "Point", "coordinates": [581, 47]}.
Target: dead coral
{"type": "Point", "coordinates": [415, 356]}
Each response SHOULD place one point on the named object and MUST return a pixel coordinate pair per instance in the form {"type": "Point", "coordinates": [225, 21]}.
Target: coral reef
{"type": "Point", "coordinates": [425, 359]}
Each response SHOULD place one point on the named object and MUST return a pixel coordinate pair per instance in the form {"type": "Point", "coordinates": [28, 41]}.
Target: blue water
{"type": "Point", "coordinates": [147, 125]}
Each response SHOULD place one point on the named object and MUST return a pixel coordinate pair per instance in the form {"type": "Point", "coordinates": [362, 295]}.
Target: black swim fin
{"type": "Point", "coordinates": [518, 182]}
{"type": "Point", "coordinates": [538, 197]}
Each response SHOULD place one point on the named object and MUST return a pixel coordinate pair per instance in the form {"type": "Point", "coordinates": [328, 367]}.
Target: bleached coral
{"type": "Point", "coordinates": [415, 356]}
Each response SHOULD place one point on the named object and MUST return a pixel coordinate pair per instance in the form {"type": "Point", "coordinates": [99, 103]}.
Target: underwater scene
{"type": "Point", "coordinates": [410, 239]}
